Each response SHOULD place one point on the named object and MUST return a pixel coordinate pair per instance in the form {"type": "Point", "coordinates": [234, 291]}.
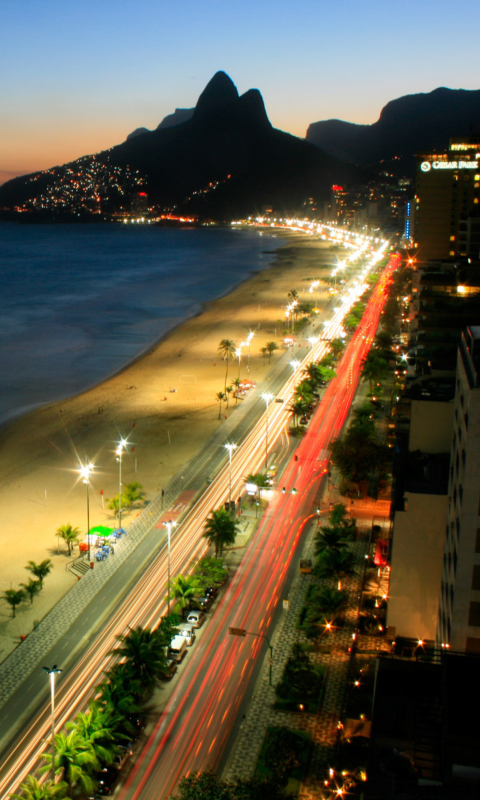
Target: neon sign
{"type": "Point", "coordinates": [426, 166]}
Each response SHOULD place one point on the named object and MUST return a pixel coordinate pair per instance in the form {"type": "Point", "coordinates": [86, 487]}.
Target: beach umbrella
{"type": "Point", "coordinates": [100, 530]}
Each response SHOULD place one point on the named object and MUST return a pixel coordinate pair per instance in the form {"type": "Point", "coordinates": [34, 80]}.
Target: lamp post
{"type": "Point", "coordinates": [267, 397]}
{"type": "Point", "coordinates": [239, 354]}
{"type": "Point", "coordinates": [230, 448]}
{"type": "Point", "coordinates": [169, 525]}
{"type": "Point", "coordinates": [249, 341]}
{"type": "Point", "coordinates": [119, 451]}
{"type": "Point", "coordinates": [294, 364]}
{"type": "Point", "coordinates": [52, 672]}
{"type": "Point", "coordinates": [85, 472]}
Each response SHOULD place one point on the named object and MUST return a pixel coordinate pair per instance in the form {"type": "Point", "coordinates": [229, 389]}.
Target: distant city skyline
{"type": "Point", "coordinates": [77, 78]}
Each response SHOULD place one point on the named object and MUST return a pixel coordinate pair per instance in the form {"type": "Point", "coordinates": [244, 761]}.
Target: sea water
{"type": "Point", "coordinates": [79, 302]}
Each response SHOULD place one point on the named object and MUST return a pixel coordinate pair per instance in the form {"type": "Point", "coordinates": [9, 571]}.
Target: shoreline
{"type": "Point", "coordinates": [39, 452]}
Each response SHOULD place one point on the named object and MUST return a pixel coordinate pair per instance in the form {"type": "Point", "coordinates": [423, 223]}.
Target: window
{"type": "Point", "coordinates": [476, 578]}
{"type": "Point", "coordinates": [474, 615]}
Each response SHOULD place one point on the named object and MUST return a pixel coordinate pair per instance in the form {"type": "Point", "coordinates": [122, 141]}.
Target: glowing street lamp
{"type": "Point", "coordinates": [169, 525]}
{"type": "Point", "coordinates": [122, 444]}
{"type": "Point", "coordinates": [52, 672]}
{"type": "Point", "coordinates": [85, 472]}
{"type": "Point", "coordinates": [267, 397]}
{"type": "Point", "coordinates": [295, 364]}
{"type": "Point", "coordinates": [313, 341]}
{"type": "Point", "coordinates": [230, 448]}
{"type": "Point", "coordinates": [249, 341]}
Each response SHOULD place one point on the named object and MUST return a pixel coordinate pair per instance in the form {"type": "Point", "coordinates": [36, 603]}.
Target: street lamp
{"type": "Point", "coordinates": [85, 472]}
{"type": "Point", "coordinates": [122, 444]}
{"type": "Point", "coordinates": [230, 448]}
{"type": "Point", "coordinates": [267, 397]}
{"type": "Point", "coordinates": [295, 364]}
{"type": "Point", "coordinates": [52, 672]}
{"type": "Point", "coordinates": [169, 525]}
{"type": "Point", "coordinates": [313, 340]}
{"type": "Point", "coordinates": [249, 341]}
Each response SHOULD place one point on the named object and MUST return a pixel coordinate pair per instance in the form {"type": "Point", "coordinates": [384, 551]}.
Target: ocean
{"type": "Point", "coordinates": [79, 302]}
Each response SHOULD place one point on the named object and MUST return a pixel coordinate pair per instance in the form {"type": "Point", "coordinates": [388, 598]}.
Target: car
{"type": "Point", "coordinates": [304, 420]}
{"type": "Point", "coordinates": [169, 670]}
{"type": "Point", "coordinates": [211, 591]}
{"type": "Point", "coordinates": [196, 618]}
{"type": "Point", "coordinates": [204, 603]}
{"type": "Point", "coordinates": [178, 648]}
{"type": "Point", "coordinates": [121, 758]}
{"type": "Point", "coordinates": [188, 632]}
{"type": "Point", "coordinates": [106, 780]}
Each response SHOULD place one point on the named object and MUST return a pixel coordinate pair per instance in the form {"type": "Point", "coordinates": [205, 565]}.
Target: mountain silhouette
{"type": "Point", "coordinates": [406, 126]}
{"type": "Point", "coordinates": [225, 161]}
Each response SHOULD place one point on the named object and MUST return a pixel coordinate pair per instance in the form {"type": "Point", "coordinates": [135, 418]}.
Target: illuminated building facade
{"type": "Point", "coordinates": [459, 606]}
{"type": "Point", "coordinates": [447, 197]}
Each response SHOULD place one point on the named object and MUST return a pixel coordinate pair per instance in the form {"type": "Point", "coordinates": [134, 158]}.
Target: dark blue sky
{"type": "Point", "coordinates": [78, 75]}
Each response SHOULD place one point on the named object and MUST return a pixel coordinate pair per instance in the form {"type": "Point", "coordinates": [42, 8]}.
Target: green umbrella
{"type": "Point", "coordinates": [101, 530]}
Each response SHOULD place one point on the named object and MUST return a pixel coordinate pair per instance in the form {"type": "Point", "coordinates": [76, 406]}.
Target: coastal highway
{"type": "Point", "coordinates": [193, 732]}
{"type": "Point", "coordinates": [145, 602]}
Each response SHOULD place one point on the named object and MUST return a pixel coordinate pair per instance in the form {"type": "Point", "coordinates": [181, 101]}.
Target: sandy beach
{"type": "Point", "coordinates": [40, 453]}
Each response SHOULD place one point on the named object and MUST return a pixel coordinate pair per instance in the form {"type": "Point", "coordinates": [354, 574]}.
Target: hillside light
{"type": "Point", "coordinates": [169, 525]}
{"type": "Point", "coordinates": [85, 472]}
{"type": "Point", "coordinates": [52, 672]}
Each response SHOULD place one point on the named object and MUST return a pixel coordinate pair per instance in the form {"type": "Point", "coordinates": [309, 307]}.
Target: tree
{"type": "Point", "coordinates": [373, 368]}
{"type": "Point", "coordinates": [40, 571]}
{"type": "Point", "coordinates": [337, 346]}
{"type": "Point", "coordinates": [335, 564]}
{"type": "Point", "coordinates": [75, 761]}
{"type": "Point", "coordinates": [282, 752]}
{"type": "Point", "coordinates": [328, 539]}
{"type": "Point", "coordinates": [145, 654]}
{"type": "Point", "coordinates": [31, 588]}
{"type": "Point", "coordinates": [69, 535]}
{"type": "Point", "coordinates": [228, 392]}
{"type": "Point", "coordinates": [97, 726]}
{"type": "Point", "coordinates": [339, 517]}
{"type": "Point", "coordinates": [293, 295]}
{"type": "Point", "coordinates": [167, 628]}
{"type": "Point", "coordinates": [220, 396]}
{"type": "Point", "coordinates": [264, 352]}
{"type": "Point", "coordinates": [221, 530]}
{"type": "Point", "coordinates": [182, 589]}
{"type": "Point", "coordinates": [32, 789]}
{"type": "Point", "coordinates": [226, 349]}
{"type": "Point", "coordinates": [271, 347]}
{"type": "Point", "coordinates": [363, 416]}
{"type": "Point", "coordinates": [298, 409]}
{"type": "Point", "coordinates": [259, 479]}
{"type": "Point", "coordinates": [209, 571]}
{"type": "Point", "coordinates": [132, 493]}
{"type": "Point", "coordinates": [326, 605]}
{"type": "Point", "coordinates": [13, 597]}
{"type": "Point", "coordinates": [208, 786]}
{"type": "Point", "coordinates": [236, 383]}
{"type": "Point", "coordinates": [120, 691]}
{"type": "Point", "coordinates": [314, 374]}
{"type": "Point", "coordinates": [357, 456]}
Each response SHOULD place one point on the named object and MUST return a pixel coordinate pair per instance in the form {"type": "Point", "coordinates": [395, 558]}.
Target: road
{"type": "Point", "coordinates": [195, 728]}
{"type": "Point", "coordinates": [144, 604]}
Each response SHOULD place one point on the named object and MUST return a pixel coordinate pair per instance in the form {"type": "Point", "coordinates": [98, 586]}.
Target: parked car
{"type": "Point", "coordinates": [188, 632]}
{"type": "Point", "coordinates": [211, 592]}
{"type": "Point", "coordinates": [178, 648]}
{"type": "Point", "coordinates": [106, 780]}
{"type": "Point", "coordinates": [196, 618]}
{"type": "Point", "coordinates": [304, 420]}
{"type": "Point", "coordinates": [169, 670]}
{"type": "Point", "coordinates": [204, 603]}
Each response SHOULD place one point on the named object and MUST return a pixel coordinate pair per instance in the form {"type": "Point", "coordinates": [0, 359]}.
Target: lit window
{"type": "Point", "coordinates": [452, 252]}
{"type": "Point", "coordinates": [452, 238]}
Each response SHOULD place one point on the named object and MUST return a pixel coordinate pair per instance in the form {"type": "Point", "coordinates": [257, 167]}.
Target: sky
{"type": "Point", "coordinates": [77, 76]}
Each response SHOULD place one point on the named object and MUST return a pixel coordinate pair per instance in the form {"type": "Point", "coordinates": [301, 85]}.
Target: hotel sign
{"type": "Point", "coordinates": [426, 166]}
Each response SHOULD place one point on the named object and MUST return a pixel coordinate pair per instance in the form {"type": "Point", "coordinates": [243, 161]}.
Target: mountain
{"type": "Point", "coordinates": [179, 115]}
{"type": "Point", "coordinates": [224, 162]}
{"type": "Point", "coordinates": [406, 126]}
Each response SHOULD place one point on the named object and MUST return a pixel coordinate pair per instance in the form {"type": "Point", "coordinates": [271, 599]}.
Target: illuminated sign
{"type": "Point", "coordinates": [426, 166]}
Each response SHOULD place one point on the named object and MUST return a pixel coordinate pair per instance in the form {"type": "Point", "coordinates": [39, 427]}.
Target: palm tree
{"type": "Point", "coordinates": [340, 519]}
{"type": "Point", "coordinates": [69, 535]}
{"type": "Point", "coordinates": [132, 493]}
{"type": "Point", "coordinates": [335, 564]}
{"type": "Point", "coordinates": [96, 726]}
{"type": "Point", "coordinates": [221, 396]}
{"type": "Point", "coordinates": [337, 346]}
{"type": "Point", "coordinates": [264, 352]}
{"type": "Point", "coordinates": [236, 383]}
{"type": "Point", "coordinates": [328, 540]}
{"type": "Point", "coordinates": [41, 570]}
{"type": "Point", "coordinates": [226, 349]}
{"type": "Point", "coordinates": [144, 652]}
{"type": "Point", "coordinates": [221, 529]}
{"type": "Point", "coordinates": [293, 294]}
{"type": "Point", "coordinates": [326, 605]}
{"type": "Point", "coordinates": [114, 503]}
{"type": "Point", "coordinates": [271, 347]}
{"type": "Point", "coordinates": [75, 761]}
{"type": "Point", "coordinates": [298, 409]}
{"type": "Point", "coordinates": [32, 789]}
{"type": "Point", "coordinates": [228, 392]}
{"type": "Point", "coordinates": [13, 597]}
{"type": "Point", "coordinates": [374, 368]}
{"type": "Point", "coordinates": [31, 588]}
{"type": "Point", "coordinates": [314, 374]}
{"type": "Point", "coordinates": [119, 691]}
{"type": "Point", "coordinates": [363, 418]}
{"type": "Point", "coordinates": [182, 589]}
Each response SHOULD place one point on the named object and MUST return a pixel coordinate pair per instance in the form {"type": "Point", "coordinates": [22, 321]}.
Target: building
{"type": "Point", "coordinates": [447, 196]}
{"type": "Point", "coordinates": [459, 606]}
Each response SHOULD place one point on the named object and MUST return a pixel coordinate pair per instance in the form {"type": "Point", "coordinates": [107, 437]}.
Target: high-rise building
{"type": "Point", "coordinates": [447, 201]}
{"type": "Point", "coordinates": [459, 606]}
